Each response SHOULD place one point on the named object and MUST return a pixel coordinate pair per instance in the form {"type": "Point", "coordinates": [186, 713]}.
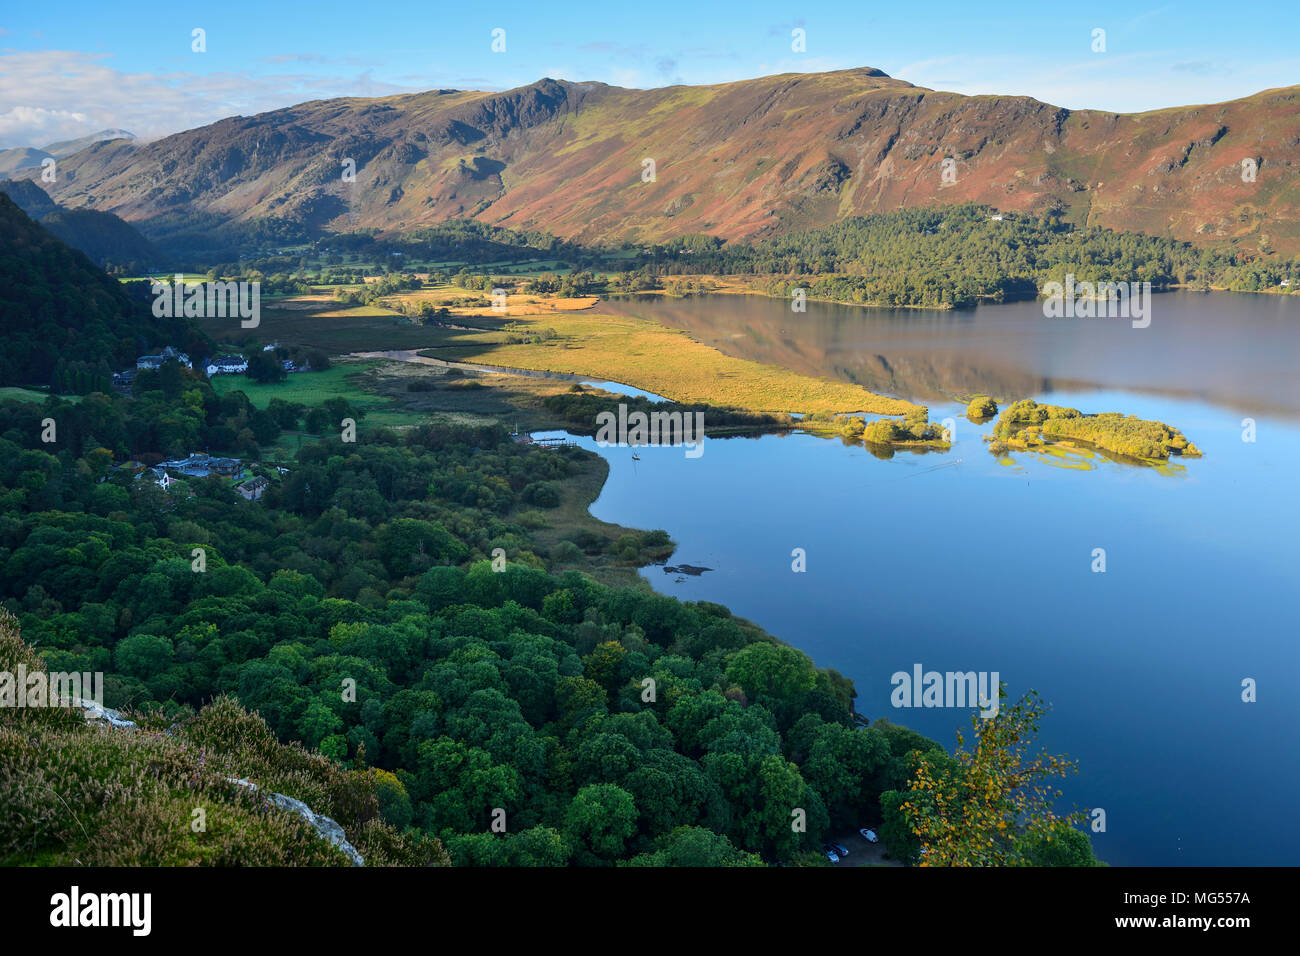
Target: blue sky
{"type": "Point", "coordinates": [74, 67]}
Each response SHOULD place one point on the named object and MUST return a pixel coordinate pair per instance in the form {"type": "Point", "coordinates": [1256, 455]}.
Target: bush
{"type": "Point", "coordinates": [544, 494]}
{"type": "Point", "coordinates": [566, 552]}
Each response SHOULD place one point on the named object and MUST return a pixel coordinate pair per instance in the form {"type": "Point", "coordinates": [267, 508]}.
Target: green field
{"type": "Point", "coordinates": [17, 394]}
{"type": "Point", "coordinates": [190, 277]}
{"type": "Point", "coordinates": [343, 380]}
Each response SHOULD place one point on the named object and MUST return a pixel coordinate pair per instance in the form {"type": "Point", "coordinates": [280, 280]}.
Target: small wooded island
{"type": "Point", "coordinates": [1026, 424]}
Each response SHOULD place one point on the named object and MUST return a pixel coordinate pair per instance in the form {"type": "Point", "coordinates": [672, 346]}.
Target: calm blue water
{"type": "Point", "coordinates": [958, 562]}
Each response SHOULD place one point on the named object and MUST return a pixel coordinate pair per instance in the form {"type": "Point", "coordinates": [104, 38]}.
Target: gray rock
{"type": "Point", "coordinates": [95, 714]}
{"type": "Point", "coordinates": [325, 826]}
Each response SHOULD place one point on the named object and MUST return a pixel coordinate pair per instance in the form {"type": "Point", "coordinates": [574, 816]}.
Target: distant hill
{"type": "Point", "coordinates": [22, 157]}
{"type": "Point", "coordinates": [736, 160]}
{"type": "Point", "coordinates": [29, 197]}
{"type": "Point", "coordinates": [69, 146]}
{"type": "Point", "coordinates": [26, 157]}
{"type": "Point", "coordinates": [55, 304]}
{"type": "Point", "coordinates": [104, 237]}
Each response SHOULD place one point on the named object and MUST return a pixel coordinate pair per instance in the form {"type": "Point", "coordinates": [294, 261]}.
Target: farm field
{"type": "Point", "coordinates": [345, 379]}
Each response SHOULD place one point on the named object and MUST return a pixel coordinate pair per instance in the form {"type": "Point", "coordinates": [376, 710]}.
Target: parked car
{"type": "Point", "coordinates": [839, 849]}
{"type": "Point", "coordinates": [830, 854]}
{"type": "Point", "coordinates": [869, 836]}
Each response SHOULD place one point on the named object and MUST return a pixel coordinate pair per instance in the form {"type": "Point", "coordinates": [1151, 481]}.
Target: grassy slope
{"type": "Point", "coordinates": [74, 794]}
{"type": "Point", "coordinates": [782, 152]}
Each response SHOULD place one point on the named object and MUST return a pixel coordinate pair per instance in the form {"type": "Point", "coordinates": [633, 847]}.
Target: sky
{"type": "Point", "coordinates": [73, 67]}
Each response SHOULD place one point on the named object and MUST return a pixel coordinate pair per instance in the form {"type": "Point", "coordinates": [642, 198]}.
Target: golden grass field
{"type": "Point", "coordinates": [628, 349]}
{"type": "Point", "coordinates": [647, 355]}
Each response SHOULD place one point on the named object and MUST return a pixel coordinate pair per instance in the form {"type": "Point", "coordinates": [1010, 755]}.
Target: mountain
{"type": "Point", "coordinates": [55, 304]}
{"type": "Point", "coordinates": [26, 157]}
{"type": "Point", "coordinates": [104, 237]}
{"type": "Point", "coordinates": [736, 160]}
{"type": "Point", "coordinates": [28, 197]}
{"type": "Point", "coordinates": [21, 157]}
{"type": "Point", "coordinates": [69, 146]}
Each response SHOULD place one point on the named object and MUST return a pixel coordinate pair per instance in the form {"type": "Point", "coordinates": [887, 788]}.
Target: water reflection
{"type": "Point", "coordinates": [1229, 348]}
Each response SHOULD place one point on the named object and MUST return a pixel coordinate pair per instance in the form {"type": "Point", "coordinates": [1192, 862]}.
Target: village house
{"type": "Point", "coordinates": [122, 381]}
{"type": "Point", "coordinates": [254, 488]}
{"type": "Point", "coordinates": [200, 466]}
{"type": "Point", "coordinates": [227, 365]}
{"type": "Point", "coordinates": [156, 361]}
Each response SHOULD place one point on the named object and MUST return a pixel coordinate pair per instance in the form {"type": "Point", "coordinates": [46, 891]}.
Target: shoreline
{"type": "Point", "coordinates": [1175, 287]}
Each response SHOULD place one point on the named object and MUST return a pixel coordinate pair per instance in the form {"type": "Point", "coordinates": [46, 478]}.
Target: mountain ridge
{"type": "Point", "coordinates": [738, 160]}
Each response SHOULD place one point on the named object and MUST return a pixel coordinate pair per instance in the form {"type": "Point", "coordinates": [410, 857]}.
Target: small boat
{"type": "Point", "coordinates": [636, 457]}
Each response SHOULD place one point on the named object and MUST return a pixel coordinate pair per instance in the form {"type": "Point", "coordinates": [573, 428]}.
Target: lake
{"type": "Point", "coordinates": [960, 562]}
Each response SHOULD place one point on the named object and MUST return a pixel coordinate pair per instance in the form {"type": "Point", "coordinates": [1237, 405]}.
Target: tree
{"type": "Point", "coordinates": [987, 805]}
{"type": "Point", "coordinates": [600, 820]}
{"type": "Point", "coordinates": [265, 367]}
{"type": "Point", "coordinates": [1063, 845]}
{"type": "Point", "coordinates": [695, 846]}
{"type": "Point", "coordinates": [144, 655]}
{"type": "Point", "coordinates": [604, 664]}
{"type": "Point", "coordinates": [411, 546]}
{"type": "Point", "coordinates": [895, 830]}
{"type": "Point", "coordinates": [773, 669]}
{"type": "Point", "coordinates": [842, 766]}
{"type": "Point", "coordinates": [538, 846]}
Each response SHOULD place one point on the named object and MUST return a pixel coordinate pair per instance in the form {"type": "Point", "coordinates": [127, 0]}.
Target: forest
{"type": "Point", "coordinates": [957, 256]}
{"type": "Point", "coordinates": [453, 678]}
{"type": "Point", "coordinates": [387, 604]}
{"type": "Point", "coordinates": [522, 689]}
{"type": "Point", "coordinates": [55, 304]}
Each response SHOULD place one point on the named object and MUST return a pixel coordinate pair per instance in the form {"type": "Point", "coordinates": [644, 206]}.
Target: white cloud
{"type": "Point", "coordinates": [36, 126]}
{"type": "Point", "coordinates": [62, 94]}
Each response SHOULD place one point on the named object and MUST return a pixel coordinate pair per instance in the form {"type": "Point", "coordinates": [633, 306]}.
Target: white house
{"type": "Point", "coordinates": [227, 365]}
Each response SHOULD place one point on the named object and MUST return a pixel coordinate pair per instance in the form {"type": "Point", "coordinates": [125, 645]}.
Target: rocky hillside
{"type": "Point", "coordinates": [736, 160]}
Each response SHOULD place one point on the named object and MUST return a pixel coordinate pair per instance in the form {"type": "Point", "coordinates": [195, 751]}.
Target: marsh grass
{"type": "Point", "coordinates": [668, 362]}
